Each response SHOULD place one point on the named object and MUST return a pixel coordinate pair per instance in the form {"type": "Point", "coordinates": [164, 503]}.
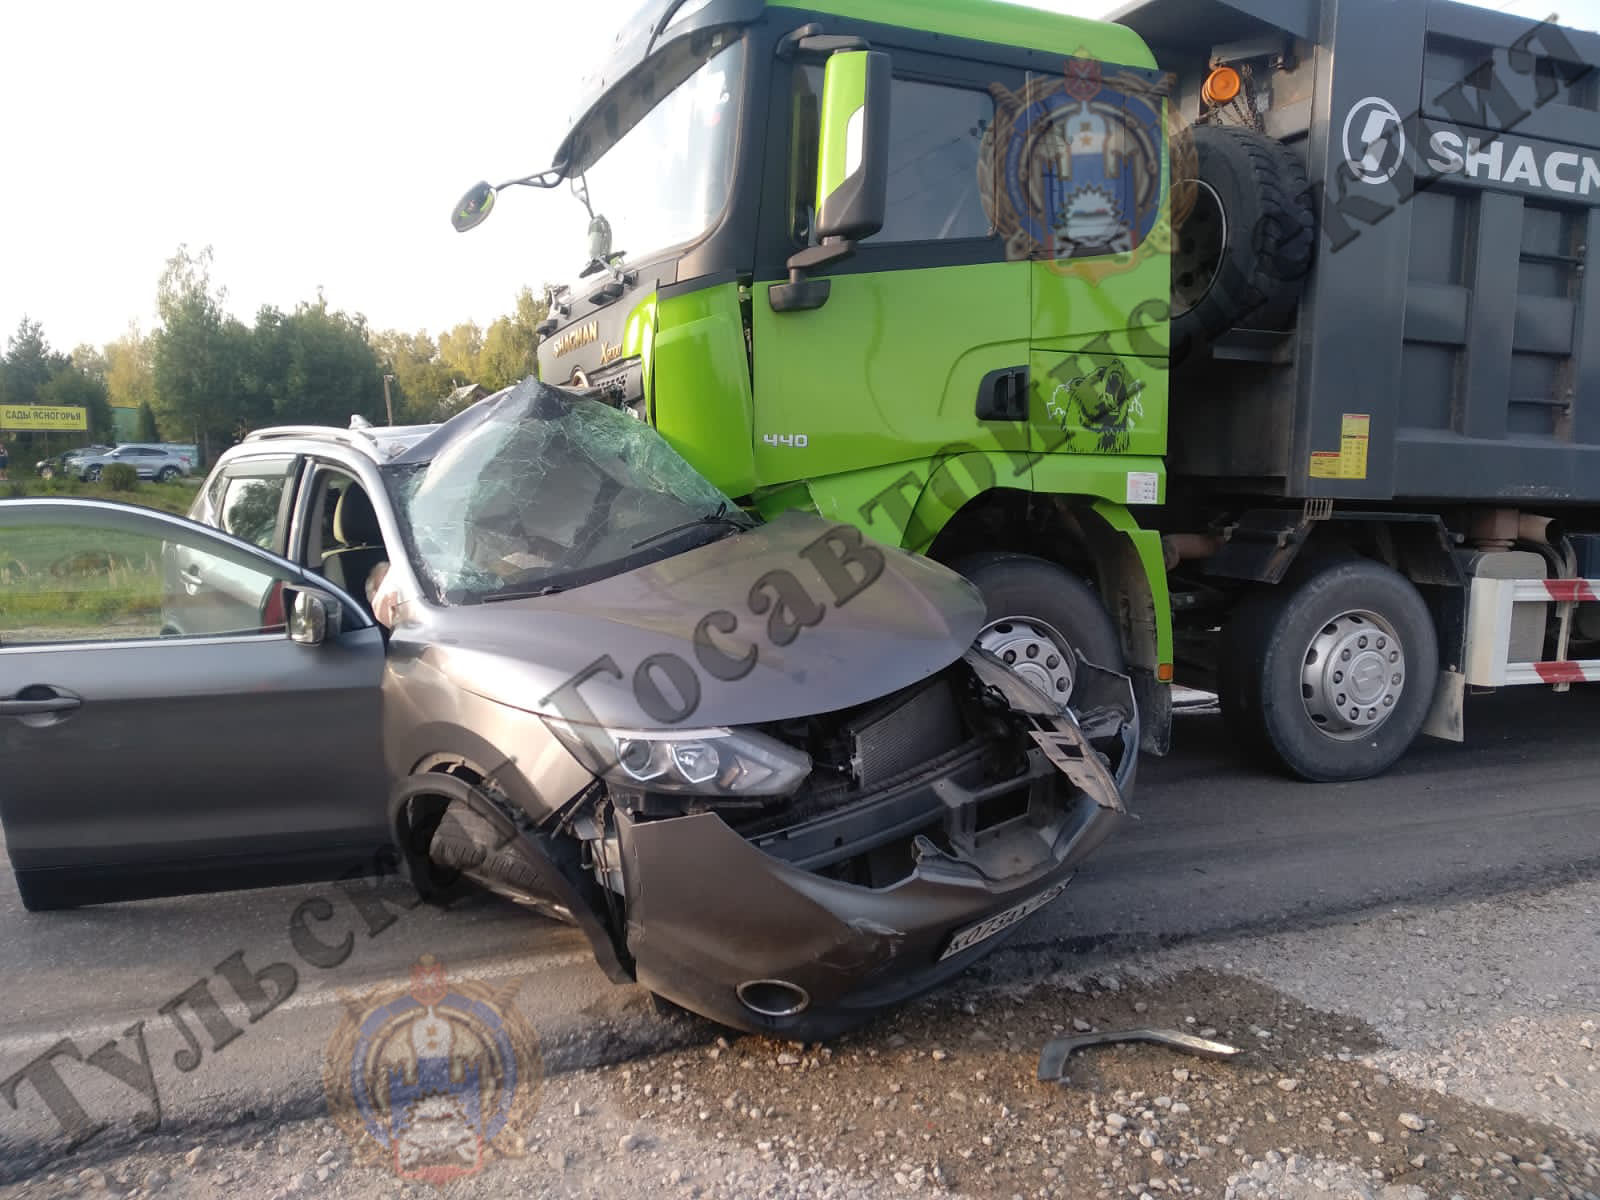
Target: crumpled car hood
{"type": "Point", "coordinates": [708, 609]}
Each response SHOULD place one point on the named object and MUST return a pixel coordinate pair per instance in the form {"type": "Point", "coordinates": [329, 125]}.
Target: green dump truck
{"type": "Point", "coordinates": [1203, 355]}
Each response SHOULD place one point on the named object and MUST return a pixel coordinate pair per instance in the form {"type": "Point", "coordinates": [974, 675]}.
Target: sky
{"type": "Point", "coordinates": [312, 145]}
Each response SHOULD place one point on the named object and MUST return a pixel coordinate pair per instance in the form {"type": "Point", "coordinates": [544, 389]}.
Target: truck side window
{"type": "Point", "coordinates": [935, 132]}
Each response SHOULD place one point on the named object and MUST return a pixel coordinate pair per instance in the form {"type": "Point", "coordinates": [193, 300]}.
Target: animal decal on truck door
{"type": "Point", "coordinates": [1098, 411]}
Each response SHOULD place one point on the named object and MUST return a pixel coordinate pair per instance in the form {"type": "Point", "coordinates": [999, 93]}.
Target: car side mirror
{"type": "Point", "coordinates": [852, 172]}
{"type": "Point", "coordinates": [314, 617]}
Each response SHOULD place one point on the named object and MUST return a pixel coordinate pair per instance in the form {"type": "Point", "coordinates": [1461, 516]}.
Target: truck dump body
{"type": "Point", "coordinates": [1448, 345]}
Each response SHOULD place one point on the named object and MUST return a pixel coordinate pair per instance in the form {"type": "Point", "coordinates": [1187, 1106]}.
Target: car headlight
{"type": "Point", "coordinates": [707, 762]}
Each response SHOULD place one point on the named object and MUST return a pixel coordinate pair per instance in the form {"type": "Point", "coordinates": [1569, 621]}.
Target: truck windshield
{"type": "Point", "coordinates": [538, 490]}
{"type": "Point", "coordinates": [665, 181]}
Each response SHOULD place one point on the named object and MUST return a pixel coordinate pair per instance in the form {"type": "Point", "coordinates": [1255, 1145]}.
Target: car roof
{"type": "Point", "coordinates": [380, 443]}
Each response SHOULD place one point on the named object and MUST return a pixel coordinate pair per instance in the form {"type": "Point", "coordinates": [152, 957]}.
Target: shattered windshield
{"type": "Point", "coordinates": [538, 490]}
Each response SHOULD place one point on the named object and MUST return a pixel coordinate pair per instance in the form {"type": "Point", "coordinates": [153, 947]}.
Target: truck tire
{"type": "Point", "coordinates": [1038, 614]}
{"type": "Point", "coordinates": [1241, 254]}
{"type": "Point", "coordinates": [1330, 674]}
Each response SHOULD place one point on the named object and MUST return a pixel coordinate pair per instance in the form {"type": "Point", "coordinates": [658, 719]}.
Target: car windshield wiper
{"type": "Point", "coordinates": [551, 590]}
{"type": "Point", "coordinates": [720, 517]}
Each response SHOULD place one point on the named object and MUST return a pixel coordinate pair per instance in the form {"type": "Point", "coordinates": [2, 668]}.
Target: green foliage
{"type": "Point", "coordinates": [205, 377]}
{"type": "Point", "coordinates": [120, 477]}
{"type": "Point", "coordinates": [175, 497]}
{"type": "Point", "coordinates": [29, 363]}
{"type": "Point", "coordinates": [73, 386]}
{"type": "Point", "coordinates": [510, 348]}
{"type": "Point", "coordinates": [148, 431]}
{"type": "Point", "coordinates": [426, 370]}
{"type": "Point", "coordinates": [130, 373]}
{"type": "Point", "coordinates": [199, 356]}
{"type": "Point", "coordinates": [313, 366]}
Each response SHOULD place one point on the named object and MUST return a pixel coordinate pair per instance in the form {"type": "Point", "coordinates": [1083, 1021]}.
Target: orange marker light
{"type": "Point", "coordinates": [1164, 672]}
{"type": "Point", "coordinates": [1222, 86]}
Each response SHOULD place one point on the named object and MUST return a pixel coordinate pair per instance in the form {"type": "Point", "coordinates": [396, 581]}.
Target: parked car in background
{"type": "Point", "coordinates": [66, 462]}
{"type": "Point", "coordinates": [160, 463]}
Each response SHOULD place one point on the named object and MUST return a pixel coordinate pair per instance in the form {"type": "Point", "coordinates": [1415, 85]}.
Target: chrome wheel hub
{"type": "Point", "coordinates": [1033, 651]}
{"type": "Point", "coordinates": [1353, 676]}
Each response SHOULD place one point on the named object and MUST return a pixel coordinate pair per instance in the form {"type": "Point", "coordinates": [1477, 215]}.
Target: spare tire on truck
{"type": "Point", "coordinates": [1243, 246]}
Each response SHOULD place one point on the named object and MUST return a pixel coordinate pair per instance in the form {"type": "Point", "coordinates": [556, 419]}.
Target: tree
{"type": "Point", "coordinates": [199, 356]}
{"type": "Point", "coordinates": [314, 366]}
{"type": "Point", "coordinates": [78, 388]}
{"type": "Point", "coordinates": [510, 350]}
{"type": "Point", "coordinates": [459, 350]}
{"type": "Point", "coordinates": [29, 363]}
{"type": "Point", "coordinates": [148, 430]}
{"type": "Point", "coordinates": [421, 378]}
{"type": "Point", "coordinates": [130, 377]}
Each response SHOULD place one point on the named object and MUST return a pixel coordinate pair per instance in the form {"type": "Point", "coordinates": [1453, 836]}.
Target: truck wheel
{"type": "Point", "coordinates": [1038, 615]}
{"type": "Point", "coordinates": [1332, 675]}
{"type": "Point", "coordinates": [1241, 254]}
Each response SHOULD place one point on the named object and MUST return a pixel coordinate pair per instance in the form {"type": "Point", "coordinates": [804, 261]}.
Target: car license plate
{"type": "Point", "coordinates": [989, 927]}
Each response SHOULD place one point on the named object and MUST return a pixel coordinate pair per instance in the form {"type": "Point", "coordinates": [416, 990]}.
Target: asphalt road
{"type": "Point", "coordinates": [1220, 848]}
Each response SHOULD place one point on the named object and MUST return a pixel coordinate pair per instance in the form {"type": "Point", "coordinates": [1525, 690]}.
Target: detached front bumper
{"type": "Point", "coordinates": [760, 933]}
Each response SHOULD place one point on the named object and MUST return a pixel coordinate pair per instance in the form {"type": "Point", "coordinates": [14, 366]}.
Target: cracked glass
{"type": "Point", "coordinates": [537, 490]}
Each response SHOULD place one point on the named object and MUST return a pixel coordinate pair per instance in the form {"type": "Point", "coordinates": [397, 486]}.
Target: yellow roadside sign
{"type": "Point", "coordinates": [42, 416]}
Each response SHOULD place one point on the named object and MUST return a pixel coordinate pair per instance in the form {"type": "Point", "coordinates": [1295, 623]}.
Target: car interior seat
{"type": "Point", "coordinates": [357, 543]}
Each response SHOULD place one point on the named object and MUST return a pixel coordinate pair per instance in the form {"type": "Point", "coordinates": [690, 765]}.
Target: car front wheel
{"type": "Point", "coordinates": [93, 474]}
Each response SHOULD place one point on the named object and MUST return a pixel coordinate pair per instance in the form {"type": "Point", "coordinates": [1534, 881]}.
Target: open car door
{"type": "Point", "coordinates": [180, 711]}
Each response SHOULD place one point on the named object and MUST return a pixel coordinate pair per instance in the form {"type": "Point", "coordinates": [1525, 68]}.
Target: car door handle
{"type": "Point", "coordinates": [191, 578]}
{"type": "Point", "coordinates": [41, 706]}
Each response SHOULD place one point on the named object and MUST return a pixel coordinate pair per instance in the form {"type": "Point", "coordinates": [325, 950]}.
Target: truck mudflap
{"type": "Point", "coordinates": [726, 928]}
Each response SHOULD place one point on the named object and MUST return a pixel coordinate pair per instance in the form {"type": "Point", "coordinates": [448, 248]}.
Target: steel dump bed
{"type": "Point", "coordinates": [1448, 346]}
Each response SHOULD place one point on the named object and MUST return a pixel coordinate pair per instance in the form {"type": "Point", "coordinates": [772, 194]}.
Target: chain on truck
{"type": "Point", "coordinates": [1206, 352]}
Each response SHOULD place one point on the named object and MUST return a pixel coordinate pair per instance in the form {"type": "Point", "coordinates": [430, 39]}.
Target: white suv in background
{"type": "Point", "coordinates": [151, 462]}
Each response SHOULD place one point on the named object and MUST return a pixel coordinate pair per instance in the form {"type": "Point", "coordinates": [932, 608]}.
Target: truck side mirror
{"type": "Point", "coordinates": [853, 151]}
{"type": "Point", "coordinates": [852, 173]}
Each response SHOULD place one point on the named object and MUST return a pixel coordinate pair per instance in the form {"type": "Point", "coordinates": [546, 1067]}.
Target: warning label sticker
{"type": "Point", "coordinates": [1350, 460]}
{"type": "Point", "coordinates": [1144, 487]}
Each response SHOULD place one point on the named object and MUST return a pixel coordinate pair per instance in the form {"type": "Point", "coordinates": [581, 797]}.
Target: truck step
{"type": "Point", "coordinates": [1489, 619]}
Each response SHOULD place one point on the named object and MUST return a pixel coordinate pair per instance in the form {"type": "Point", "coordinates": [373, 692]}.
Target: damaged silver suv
{"type": "Point", "coordinates": [761, 766]}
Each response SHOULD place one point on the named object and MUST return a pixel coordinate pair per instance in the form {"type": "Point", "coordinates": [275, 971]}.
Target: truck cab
{"type": "Point", "coordinates": [906, 265]}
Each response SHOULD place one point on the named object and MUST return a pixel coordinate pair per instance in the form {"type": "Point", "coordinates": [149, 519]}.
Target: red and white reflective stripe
{"type": "Point", "coordinates": [1537, 591]}
{"type": "Point", "coordinates": [1489, 617]}
{"type": "Point", "coordinates": [1573, 591]}
{"type": "Point", "coordinates": [1553, 672]}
